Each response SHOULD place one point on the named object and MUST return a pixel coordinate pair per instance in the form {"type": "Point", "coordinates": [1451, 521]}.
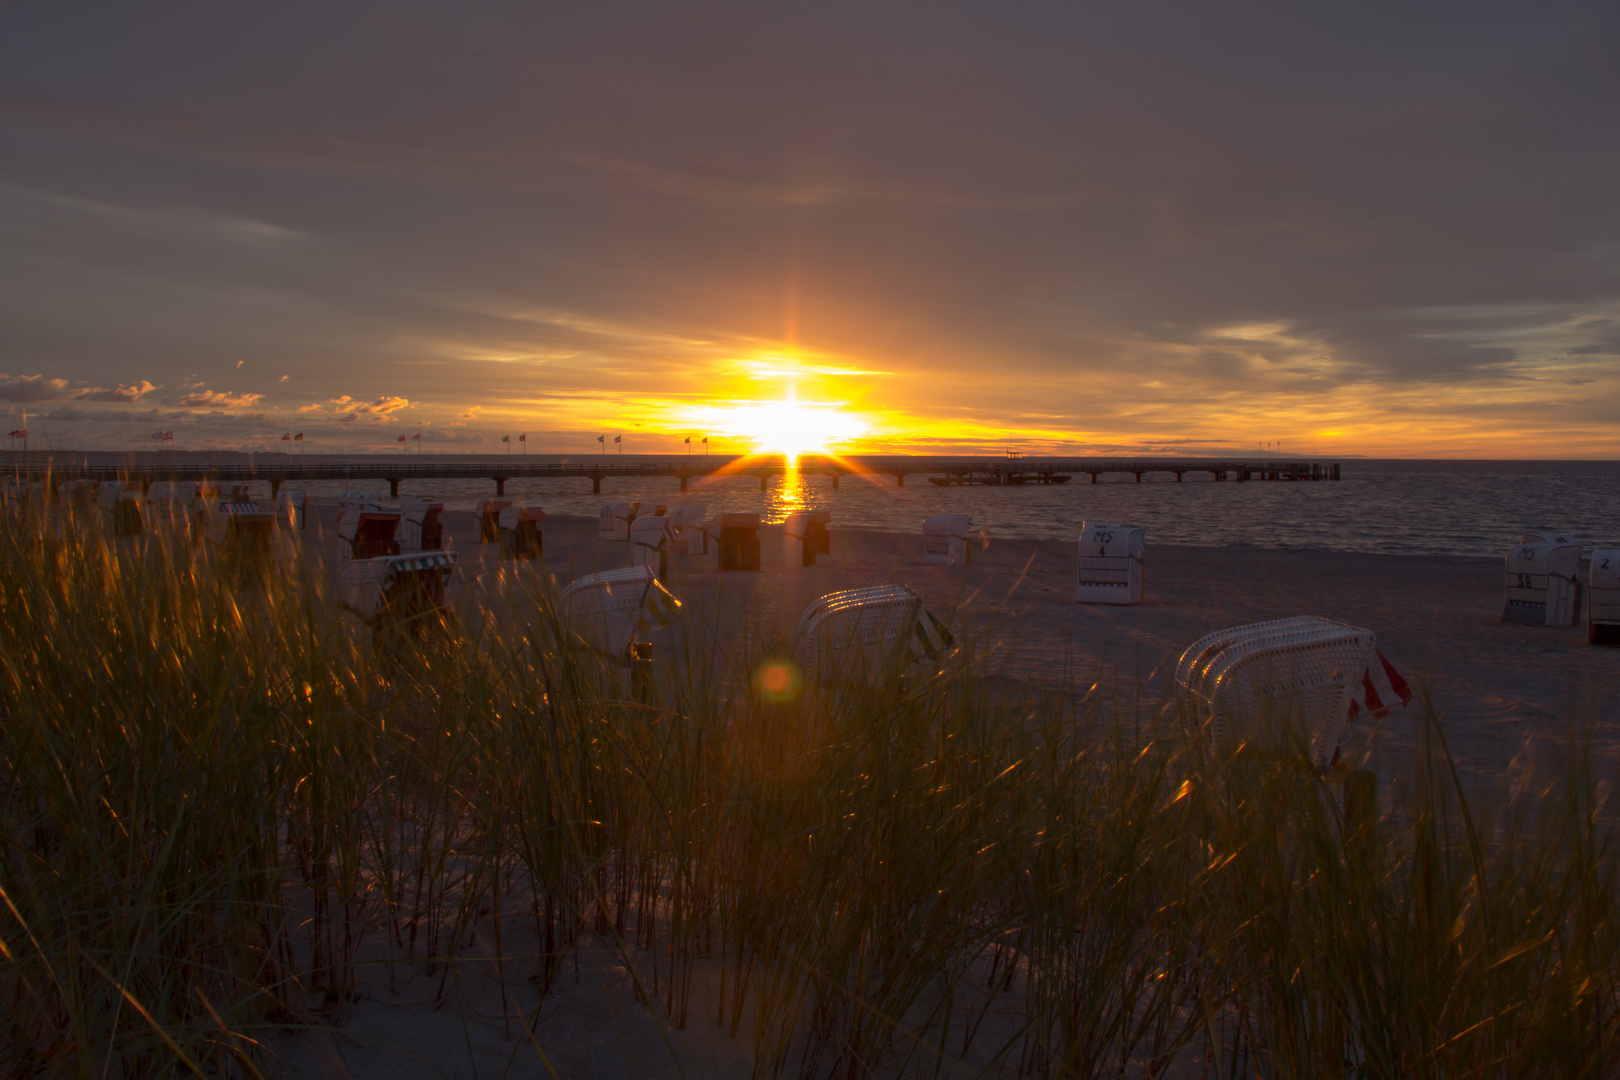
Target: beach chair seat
{"type": "Point", "coordinates": [804, 537]}
{"type": "Point", "coordinates": [489, 520]}
{"type": "Point", "coordinates": [1603, 597]}
{"type": "Point", "coordinates": [291, 504]}
{"type": "Point", "coordinates": [520, 534]}
{"type": "Point", "coordinates": [857, 635]}
{"type": "Point", "coordinates": [397, 596]}
{"type": "Point", "coordinates": [611, 612]}
{"type": "Point", "coordinates": [1541, 584]}
{"type": "Point", "coordinates": [650, 539]}
{"type": "Point", "coordinates": [419, 525]}
{"type": "Point", "coordinates": [1111, 561]}
{"type": "Point", "coordinates": [614, 521]}
{"type": "Point", "coordinates": [687, 521]}
{"type": "Point", "coordinates": [1265, 684]}
{"type": "Point", "coordinates": [738, 541]}
{"type": "Point", "coordinates": [364, 534]}
{"type": "Point", "coordinates": [945, 540]}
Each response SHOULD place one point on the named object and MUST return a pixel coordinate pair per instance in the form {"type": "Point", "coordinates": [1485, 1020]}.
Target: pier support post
{"type": "Point", "coordinates": [1178, 476]}
{"type": "Point", "coordinates": [762, 479]}
{"type": "Point", "coordinates": [500, 485]}
{"type": "Point", "coordinates": [900, 479]}
{"type": "Point", "coordinates": [683, 484]}
{"type": "Point", "coordinates": [1138, 478]}
{"type": "Point", "coordinates": [835, 481]}
{"type": "Point", "coordinates": [596, 485]}
{"type": "Point", "coordinates": [393, 488]}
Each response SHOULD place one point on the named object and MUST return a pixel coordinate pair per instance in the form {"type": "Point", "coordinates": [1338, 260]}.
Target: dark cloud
{"type": "Point", "coordinates": [570, 207]}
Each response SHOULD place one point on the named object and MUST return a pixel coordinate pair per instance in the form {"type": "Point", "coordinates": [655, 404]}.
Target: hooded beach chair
{"type": "Point", "coordinates": [614, 521]}
{"type": "Point", "coordinates": [945, 540]}
{"type": "Point", "coordinates": [1263, 684]}
{"type": "Point", "coordinates": [363, 501]}
{"type": "Point", "coordinates": [240, 531]}
{"type": "Point", "coordinates": [804, 537]}
{"type": "Point", "coordinates": [1110, 567]}
{"type": "Point", "coordinates": [611, 614]}
{"type": "Point", "coordinates": [687, 521]}
{"type": "Point", "coordinates": [120, 509]}
{"type": "Point", "coordinates": [367, 534]}
{"type": "Point", "coordinates": [291, 504]}
{"type": "Point", "coordinates": [650, 541]}
{"type": "Point", "coordinates": [737, 542]}
{"type": "Point", "coordinates": [393, 597]}
{"type": "Point", "coordinates": [861, 635]}
{"type": "Point", "coordinates": [419, 526]}
{"type": "Point", "coordinates": [1542, 584]}
{"type": "Point", "coordinates": [489, 520]}
{"type": "Point", "coordinates": [1603, 597]}
{"type": "Point", "coordinates": [520, 534]}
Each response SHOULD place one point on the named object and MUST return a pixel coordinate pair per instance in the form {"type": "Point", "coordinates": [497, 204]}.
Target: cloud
{"type": "Point", "coordinates": [470, 414]}
{"type": "Point", "coordinates": [132, 392]}
{"type": "Point", "coordinates": [346, 410]}
{"type": "Point", "coordinates": [216, 399]}
{"type": "Point", "coordinates": [28, 389]}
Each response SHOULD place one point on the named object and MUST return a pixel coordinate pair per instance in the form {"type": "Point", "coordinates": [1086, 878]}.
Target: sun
{"type": "Point", "coordinates": [788, 427]}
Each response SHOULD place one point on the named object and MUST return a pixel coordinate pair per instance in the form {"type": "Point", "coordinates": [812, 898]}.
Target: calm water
{"type": "Point", "coordinates": [1391, 507]}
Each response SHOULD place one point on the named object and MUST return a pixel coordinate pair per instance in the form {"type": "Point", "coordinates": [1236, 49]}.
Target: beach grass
{"type": "Point", "coordinates": [223, 812]}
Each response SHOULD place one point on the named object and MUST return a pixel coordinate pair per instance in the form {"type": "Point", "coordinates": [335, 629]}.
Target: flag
{"type": "Point", "coordinates": [618, 438]}
{"type": "Point", "coordinates": [524, 437]}
{"type": "Point", "coordinates": [286, 437]}
{"type": "Point", "coordinates": [168, 436]}
{"type": "Point", "coordinates": [601, 438]}
{"type": "Point", "coordinates": [402, 438]}
{"type": "Point", "coordinates": [417, 436]}
{"type": "Point", "coordinates": [1381, 689]}
{"type": "Point", "coordinates": [298, 437]}
{"type": "Point", "coordinates": [20, 433]}
{"type": "Point", "coordinates": [506, 438]}
{"type": "Point", "coordinates": [157, 436]}
{"type": "Point", "coordinates": [705, 440]}
{"type": "Point", "coordinates": [689, 438]}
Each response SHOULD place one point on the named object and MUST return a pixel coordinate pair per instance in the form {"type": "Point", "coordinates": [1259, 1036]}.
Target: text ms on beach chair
{"type": "Point", "coordinates": [367, 535]}
{"type": "Point", "coordinates": [1110, 568]}
{"type": "Point", "coordinates": [614, 521]}
{"type": "Point", "coordinates": [489, 520]}
{"type": "Point", "coordinates": [520, 532]}
{"type": "Point", "coordinates": [863, 635]}
{"type": "Point", "coordinates": [395, 597]}
{"type": "Point", "coordinates": [611, 613]}
{"type": "Point", "coordinates": [1603, 601]}
{"type": "Point", "coordinates": [945, 540]}
{"type": "Point", "coordinates": [120, 508]}
{"type": "Point", "coordinates": [1541, 584]}
{"type": "Point", "coordinates": [805, 536]}
{"type": "Point", "coordinates": [419, 526]}
{"type": "Point", "coordinates": [650, 540]}
{"type": "Point", "coordinates": [1273, 684]}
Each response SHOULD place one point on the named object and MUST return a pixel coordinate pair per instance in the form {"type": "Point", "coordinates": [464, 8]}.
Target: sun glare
{"type": "Point", "coordinates": [790, 428]}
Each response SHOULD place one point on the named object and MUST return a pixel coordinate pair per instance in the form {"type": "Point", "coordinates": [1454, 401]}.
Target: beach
{"type": "Point", "coordinates": [1507, 698]}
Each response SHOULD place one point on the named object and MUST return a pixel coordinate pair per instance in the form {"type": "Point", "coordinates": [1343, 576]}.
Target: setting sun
{"type": "Point", "coordinates": [788, 427]}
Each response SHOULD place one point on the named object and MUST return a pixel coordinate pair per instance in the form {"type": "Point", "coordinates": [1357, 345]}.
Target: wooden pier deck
{"type": "Point", "coordinates": [279, 469]}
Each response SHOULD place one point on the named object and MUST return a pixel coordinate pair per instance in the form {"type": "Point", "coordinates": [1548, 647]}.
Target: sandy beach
{"type": "Point", "coordinates": [1506, 696]}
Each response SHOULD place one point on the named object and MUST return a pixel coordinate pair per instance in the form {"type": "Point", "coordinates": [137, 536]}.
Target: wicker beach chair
{"type": "Point", "coordinates": [651, 539]}
{"type": "Point", "coordinates": [1266, 685]}
{"type": "Point", "coordinates": [945, 540]}
{"type": "Point", "coordinates": [419, 525]}
{"type": "Point", "coordinates": [614, 521]}
{"type": "Point", "coordinates": [1603, 597]}
{"type": "Point", "coordinates": [520, 534]}
{"type": "Point", "coordinates": [610, 615]}
{"type": "Point", "coordinates": [737, 542]}
{"type": "Point", "coordinates": [863, 635]}
{"type": "Point", "coordinates": [120, 509]}
{"type": "Point", "coordinates": [687, 521]}
{"type": "Point", "coordinates": [804, 537]}
{"type": "Point", "coordinates": [242, 532]}
{"type": "Point", "coordinates": [363, 501]}
{"type": "Point", "coordinates": [1542, 584]}
{"type": "Point", "coordinates": [393, 598]}
{"type": "Point", "coordinates": [291, 505]}
{"type": "Point", "coordinates": [367, 534]}
{"type": "Point", "coordinates": [1110, 567]}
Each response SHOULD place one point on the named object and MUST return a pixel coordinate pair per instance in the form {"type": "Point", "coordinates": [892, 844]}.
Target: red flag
{"type": "Point", "coordinates": [20, 433]}
{"type": "Point", "coordinates": [523, 438]}
{"type": "Point", "coordinates": [168, 436]}
{"type": "Point", "coordinates": [417, 436]}
{"type": "Point", "coordinates": [287, 437]}
{"type": "Point", "coordinates": [618, 438]}
{"type": "Point", "coordinates": [402, 438]}
{"type": "Point", "coordinates": [298, 437]}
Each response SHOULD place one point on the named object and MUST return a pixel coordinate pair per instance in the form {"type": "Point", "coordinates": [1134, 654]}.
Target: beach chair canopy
{"type": "Point", "coordinates": [513, 515]}
{"type": "Point", "coordinates": [419, 525]}
{"type": "Point", "coordinates": [1247, 684]}
{"type": "Point", "coordinates": [864, 633]}
{"type": "Point", "coordinates": [609, 610]}
{"type": "Point", "coordinates": [1540, 587]}
{"type": "Point", "coordinates": [614, 522]}
{"type": "Point", "coordinates": [1603, 601]}
{"type": "Point", "coordinates": [396, 586]}
{"type": "Point", "coordinates": [359, 500]}
{"type": "Point", "coordinates": [652, 531]}
{"type": "Point", "coordinates": [945, 525]}
{"type": "Point", "coordinates": [686, 516]}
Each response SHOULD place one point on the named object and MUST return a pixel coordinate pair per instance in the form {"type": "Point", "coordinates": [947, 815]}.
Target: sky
{"type": "Point", "coordinates": [1370, 229]}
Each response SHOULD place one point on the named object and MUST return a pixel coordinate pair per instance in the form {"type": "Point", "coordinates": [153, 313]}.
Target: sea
{"type": "Point", "coordinates": [1393, 507]}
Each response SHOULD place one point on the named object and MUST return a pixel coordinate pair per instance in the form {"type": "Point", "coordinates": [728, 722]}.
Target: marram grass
{"type": "Point", "coordinates": [214, 798]}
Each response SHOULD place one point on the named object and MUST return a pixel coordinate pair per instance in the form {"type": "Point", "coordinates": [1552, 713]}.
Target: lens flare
{"type": "Point", "coordinates": [777, 681]}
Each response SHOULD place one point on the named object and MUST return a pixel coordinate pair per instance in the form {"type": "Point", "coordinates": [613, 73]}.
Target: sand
{"type": "Point", "coordinates": [1506, 697]}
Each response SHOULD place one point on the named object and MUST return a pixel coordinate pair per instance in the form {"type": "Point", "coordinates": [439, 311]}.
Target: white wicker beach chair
{"type": "Point", "coordinates": [615, 519]}
{"type": "Point", "coordinates": [650, 540]}
{"type": "Point", "coordinates": [688, 523]}
{"type": "Point", "coordinates": [397, 595]}
{"type": "Point", "coordinates": [419, 527]}
{"type": "Point", "coordinates": [945, 540]}
{"type": "Point", "coordinates": [864, 634]}
{"type": "Point", "coordinates": [1603, 599]}
{"type": "Point", "coordinates": [365, 534]}
{"type": "Point", "coordinates": [520, 534]}
{"type": "Point", "coordinates": [291, 504]}
{"type": "Point", "coordinates": [120, 509]}
{"type": "Point", "coordinates": [1541, 584]}
{"type": "Point", "coordinates": [1263, 684]}
{"type": "Point", "coordinates": [1110, 567]}
{"type": "Point", "coordinates": [612, 610]}
{"type": "Point", "coordinates": [804, 537]}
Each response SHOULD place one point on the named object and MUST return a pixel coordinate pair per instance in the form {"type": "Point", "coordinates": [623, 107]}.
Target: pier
{"type": "Point", "coordinates": [279, 469]}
